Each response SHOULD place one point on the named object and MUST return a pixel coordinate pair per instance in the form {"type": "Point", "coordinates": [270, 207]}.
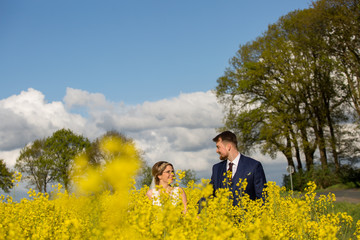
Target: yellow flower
{"type": "Point", "coordinates": [109, 207]}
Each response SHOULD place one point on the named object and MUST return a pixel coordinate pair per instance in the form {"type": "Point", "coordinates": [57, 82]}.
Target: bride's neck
{"type": "Point", "coordinates": [166, 186]}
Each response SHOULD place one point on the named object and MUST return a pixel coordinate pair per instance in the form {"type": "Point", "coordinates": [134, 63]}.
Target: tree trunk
{"type": "Point", "coordinates": [332, 138]}
{"type": "Point", "coordinates": [287, 152]}
{"type": "Point", "coordinates": [307, 149]}
{"type": "Point", "coordinates": [297, 150]}
{"type": "Point", "coordinates": [319, 135]}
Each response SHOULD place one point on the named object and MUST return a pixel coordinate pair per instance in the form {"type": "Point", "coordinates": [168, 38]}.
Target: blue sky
{"type": "Point", "coordinates": [143, 68]}
{"type": "Point", "coordinates": [131, 51]}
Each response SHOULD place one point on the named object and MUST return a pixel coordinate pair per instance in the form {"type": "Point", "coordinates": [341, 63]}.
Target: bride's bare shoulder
{"type": "Point", "coordinates": [149, 193]}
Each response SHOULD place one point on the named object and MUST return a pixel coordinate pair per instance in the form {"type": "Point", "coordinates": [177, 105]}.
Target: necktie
{"type": "Point", "coordinates": [230, 169]}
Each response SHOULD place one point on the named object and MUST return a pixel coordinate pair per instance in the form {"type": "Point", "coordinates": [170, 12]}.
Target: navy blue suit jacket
{"type": "Point", "coordinates": [248, 169]}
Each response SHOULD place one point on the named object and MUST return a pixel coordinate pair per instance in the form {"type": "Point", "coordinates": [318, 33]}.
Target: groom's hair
{"type": "Point", "coordinates": [226, 136]}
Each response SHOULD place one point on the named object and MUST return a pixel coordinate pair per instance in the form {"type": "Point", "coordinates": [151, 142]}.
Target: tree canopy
{"type": "Point", "coordinates": [61, 148]}
{"type": "Point", "coordinates": [289, 92]}
{"type": "Point", "coordinates": [36, 165]}
{"type": "Point", "coordinates": [50, 159]}
{"type": "Point", "coordinates": [6, 177]}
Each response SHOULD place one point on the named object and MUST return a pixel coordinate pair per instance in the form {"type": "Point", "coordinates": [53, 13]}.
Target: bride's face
{"type": "Point", "coordinates": [168, 175]}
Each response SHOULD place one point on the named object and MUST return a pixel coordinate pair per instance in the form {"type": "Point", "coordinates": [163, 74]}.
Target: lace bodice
{"type": "Point", "coordinates": [174, 196]}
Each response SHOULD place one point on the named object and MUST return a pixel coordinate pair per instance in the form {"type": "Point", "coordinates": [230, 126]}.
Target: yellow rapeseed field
{"type": "Point", "coordinates": [105, 205]}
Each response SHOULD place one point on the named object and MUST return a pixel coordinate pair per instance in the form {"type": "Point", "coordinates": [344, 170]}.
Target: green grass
{"type": "Point", "coordinates": [353, 210]}
{"type": "Point", "coordinates": [341, 186]}
{"type": "Point", "coordinates": [336, 187]}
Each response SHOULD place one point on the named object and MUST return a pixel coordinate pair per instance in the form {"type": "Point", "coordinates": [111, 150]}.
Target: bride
{"type": "Point", "coordinates": [163, 176]}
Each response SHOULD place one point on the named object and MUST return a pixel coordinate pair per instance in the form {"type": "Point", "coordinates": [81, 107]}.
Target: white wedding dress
{"type": "Point", "coordinates": [174, 196]}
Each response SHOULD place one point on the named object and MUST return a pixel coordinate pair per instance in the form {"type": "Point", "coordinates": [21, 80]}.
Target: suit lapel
{"type": "Point", "coordinates": [222, 171]}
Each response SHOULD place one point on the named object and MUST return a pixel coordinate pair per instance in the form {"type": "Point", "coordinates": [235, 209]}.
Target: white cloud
{"type": "Point", "coordinates": [81, 98]}
{"type": "Point", "coordinates": [188, 110]}
{"type": "Point", "coordinates": [185, 148]}
{"type": "Point", "coordinates": [27, 116]}
{"type": "Point", "coordinates": [178, 130]}
{"type": "Point", "coordinates": [10, 156]}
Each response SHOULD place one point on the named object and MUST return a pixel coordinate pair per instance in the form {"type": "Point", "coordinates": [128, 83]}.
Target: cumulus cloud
{"type": "Point", "coordinates": [188, 111]}
{"type": "Point", "coordinates": [10, 156]}
{"type": "Point", "coordinates": [27, 116]}
{"type": "Point", "coordinates": [178, 130]}
{"type": "Point", "coordinates": [80, 98]}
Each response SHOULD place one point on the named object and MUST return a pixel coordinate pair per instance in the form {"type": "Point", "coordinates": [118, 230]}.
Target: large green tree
{"type": "Point", "coordinates": [283, 93]}
{"type": "Point", "coordinates": [97, 156]}
{"type": "Point", "coordinates": [35, 165]}
{"type": "Point", "coordinates": [342, 26]}
{"type": "Point", "coordinates": [62, 148]}
{"type": "Point", "coordinates": [6, 177]}
{"type": "Point", "coordinates": [322, 90]}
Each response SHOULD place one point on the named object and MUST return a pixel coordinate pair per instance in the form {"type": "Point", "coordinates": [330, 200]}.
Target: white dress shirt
{"type": "Point", "coordinates": [235, 164]}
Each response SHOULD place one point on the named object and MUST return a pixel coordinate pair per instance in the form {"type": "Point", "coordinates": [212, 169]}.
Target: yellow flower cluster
{"type": "Point", "coordinates": [105, 205]}
{"type": "Point", "coordinates": [16, 178]}
{"type": "Point", "coordinates": [128, 214]}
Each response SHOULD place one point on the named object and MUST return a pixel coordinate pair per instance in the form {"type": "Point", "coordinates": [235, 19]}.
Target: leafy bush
{"type": "Point", "coordinates": [348, 175]}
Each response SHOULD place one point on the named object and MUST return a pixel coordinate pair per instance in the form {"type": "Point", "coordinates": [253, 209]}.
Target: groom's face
{"type": "Point", "coordinates": [221, 149]}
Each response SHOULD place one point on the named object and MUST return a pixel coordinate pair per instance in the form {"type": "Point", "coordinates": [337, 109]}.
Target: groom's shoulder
{"type": "Point", "coordinates": [250, 160]}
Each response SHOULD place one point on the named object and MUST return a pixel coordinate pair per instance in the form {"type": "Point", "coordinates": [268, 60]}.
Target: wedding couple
{"type": "Point", "coordinates": [234, 167]}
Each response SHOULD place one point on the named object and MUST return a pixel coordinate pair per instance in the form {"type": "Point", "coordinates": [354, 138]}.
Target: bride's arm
{"type": "Point", "coordinates": [184, 199]}
{"type": "Point", "coordinates": [149, 194]}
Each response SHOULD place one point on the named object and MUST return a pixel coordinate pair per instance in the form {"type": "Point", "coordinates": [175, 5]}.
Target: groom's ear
{"type": "Point", "coordinates": [228, 146]}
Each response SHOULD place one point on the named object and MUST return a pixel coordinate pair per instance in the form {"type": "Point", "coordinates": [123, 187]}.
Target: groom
{"type": "Point", "coordinates": [235, 167]}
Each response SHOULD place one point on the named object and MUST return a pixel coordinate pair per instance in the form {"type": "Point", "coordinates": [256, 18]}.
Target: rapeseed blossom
{"type": "Point", "coordinates": [106, 205]}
